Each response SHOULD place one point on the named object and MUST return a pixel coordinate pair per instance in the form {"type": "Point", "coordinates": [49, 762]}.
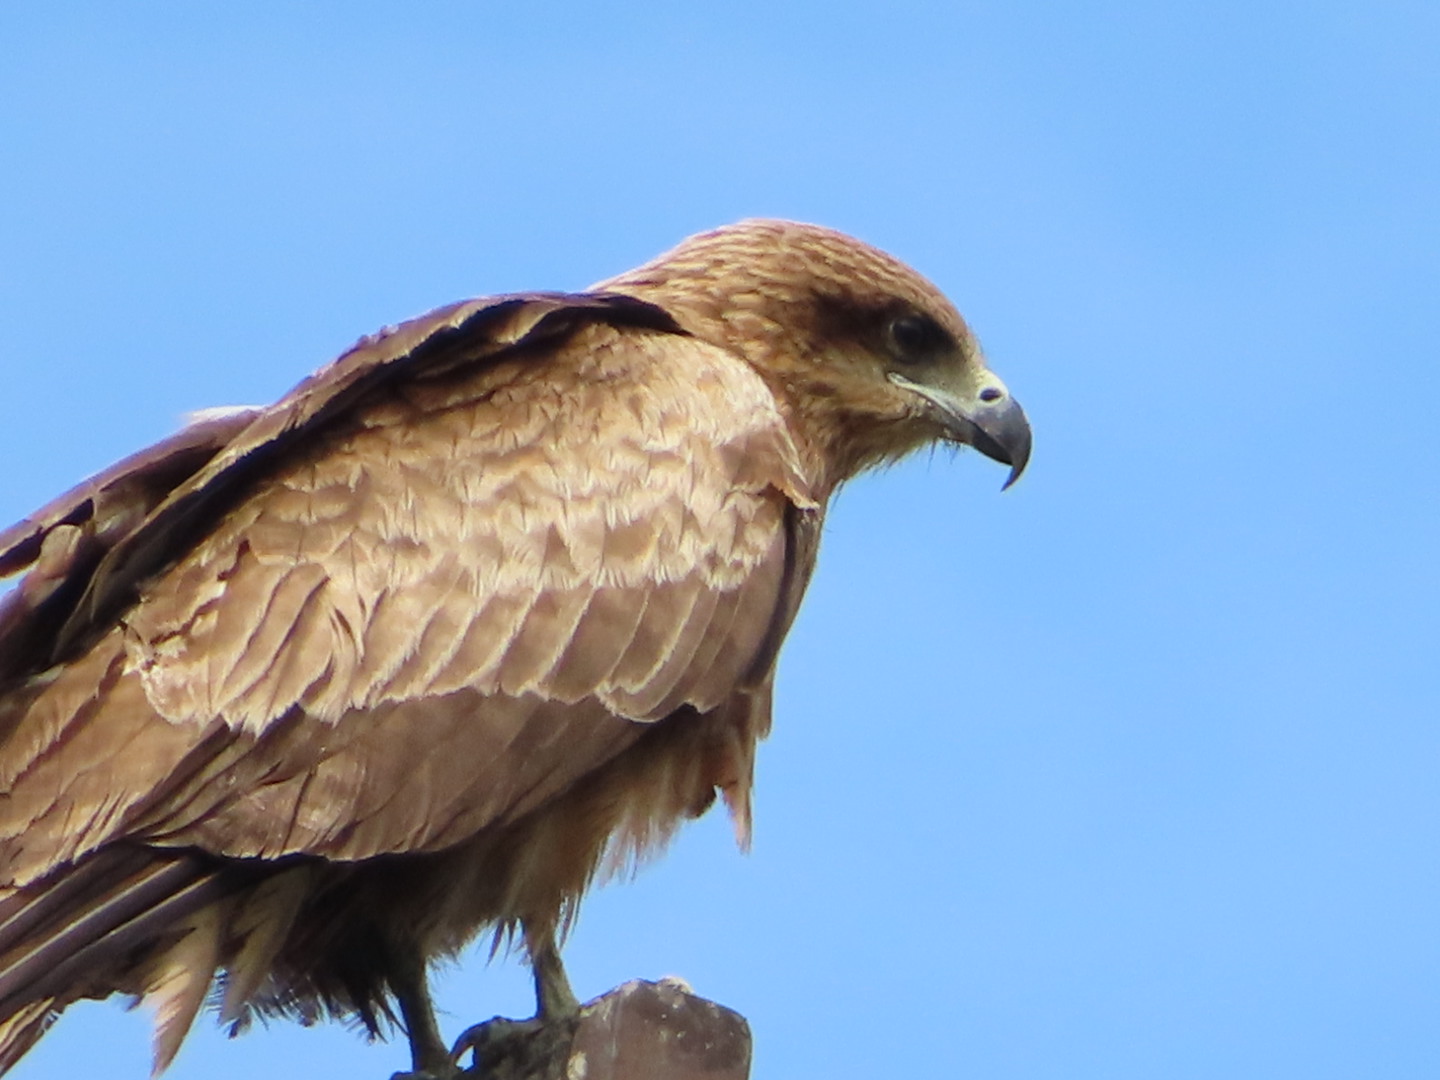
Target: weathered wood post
{"type": "Point", "coordinates": [638, 1031]}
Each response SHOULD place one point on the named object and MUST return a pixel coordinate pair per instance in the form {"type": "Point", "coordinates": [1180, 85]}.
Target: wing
{"type": "Point", "coordinates": [64, 541]}
{"type": "Point", "coordinates": [435, 585]}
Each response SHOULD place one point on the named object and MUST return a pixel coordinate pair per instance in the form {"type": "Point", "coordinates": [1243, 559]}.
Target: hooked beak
{"type": "Point", "coordinates": [992, 421]}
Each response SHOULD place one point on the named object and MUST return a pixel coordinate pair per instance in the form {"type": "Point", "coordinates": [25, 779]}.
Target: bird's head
{"type": "Point", "coordinates": [868, 357]}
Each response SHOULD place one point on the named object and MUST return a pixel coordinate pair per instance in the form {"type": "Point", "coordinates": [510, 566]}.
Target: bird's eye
{"type": "Point", "coordinates": [917, 337]}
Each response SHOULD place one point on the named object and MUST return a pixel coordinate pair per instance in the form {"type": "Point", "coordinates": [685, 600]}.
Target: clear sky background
{"type": "Point", "coordinates": [1132, 771]}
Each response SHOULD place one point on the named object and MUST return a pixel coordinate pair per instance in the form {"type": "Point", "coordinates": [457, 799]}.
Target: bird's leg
{"type": "Point", "coordinates": [429, 1054]}
{"type": "Point", "coordinates": [554, 999]}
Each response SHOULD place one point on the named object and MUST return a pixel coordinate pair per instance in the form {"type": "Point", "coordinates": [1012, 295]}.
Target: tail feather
{"type": "Point", "coordinates": [179, 980]}
{"type": "Point", "coordinates": [20, 1030]}
{"type": "Point", "coordinates": [87, 929]}
{"type": "Point", "coordinates": [122, 921]}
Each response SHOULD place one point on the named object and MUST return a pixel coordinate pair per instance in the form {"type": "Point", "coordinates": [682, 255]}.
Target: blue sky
{"type": "Point", "coordinates": [1133, 771]}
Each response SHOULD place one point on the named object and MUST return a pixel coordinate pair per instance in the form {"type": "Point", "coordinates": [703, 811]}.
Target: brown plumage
{"type": "Point", "coordinates": [308, 696]}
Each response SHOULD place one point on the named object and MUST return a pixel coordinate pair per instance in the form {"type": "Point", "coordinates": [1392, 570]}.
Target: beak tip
{"type": "Point", "coordinates": [1018, 461]}
{"type": "Point", "coordinates": [1012, 436]}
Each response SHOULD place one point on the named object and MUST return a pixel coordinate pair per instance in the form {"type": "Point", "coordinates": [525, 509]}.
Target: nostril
{"type": "Point", "coordinates": [990, 394]}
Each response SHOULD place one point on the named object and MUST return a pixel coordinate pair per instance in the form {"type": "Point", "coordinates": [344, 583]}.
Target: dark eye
{"type": "Point", "coordinates": [917, 337]}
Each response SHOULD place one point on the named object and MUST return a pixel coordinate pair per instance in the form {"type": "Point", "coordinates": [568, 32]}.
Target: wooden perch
{"type": "Point", "coordinates": [638, 1031]}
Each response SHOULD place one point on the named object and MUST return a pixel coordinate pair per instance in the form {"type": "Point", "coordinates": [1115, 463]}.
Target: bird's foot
{"type": "Point", "coordinates": [447, 1068]}
{"type": "Point", "coordinates": [535, 1049]}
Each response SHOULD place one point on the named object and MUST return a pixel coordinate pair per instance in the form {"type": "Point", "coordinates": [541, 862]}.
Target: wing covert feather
{"type": "Point", "coordinates": [447, 608]}
{"type": "Point", "coordinates": [520, 535]}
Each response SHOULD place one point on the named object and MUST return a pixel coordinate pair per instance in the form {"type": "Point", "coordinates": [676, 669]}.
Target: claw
{"type": "Point", "coordinates": [505, 1049]}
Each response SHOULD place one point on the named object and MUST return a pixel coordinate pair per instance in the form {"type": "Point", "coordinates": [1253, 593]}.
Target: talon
{"type": "Point", "coordinates": [486, 1041]}
{"type": "Point", "coordinates": [503, 1048]}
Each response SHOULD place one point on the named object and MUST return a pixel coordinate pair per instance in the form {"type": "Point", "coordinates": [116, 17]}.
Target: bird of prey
{"type": "Point", "coordinates": [305, 697]}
